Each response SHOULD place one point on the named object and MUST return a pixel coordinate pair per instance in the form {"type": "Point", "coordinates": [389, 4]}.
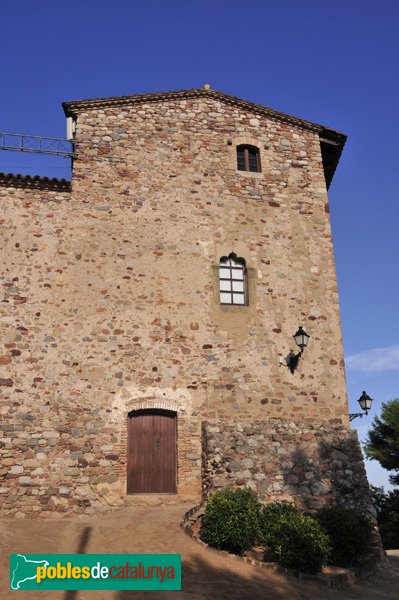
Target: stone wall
{"type": "Point", "coordinates": [111, 302]}
{"type": "Point", "coordinates": [281, 460]}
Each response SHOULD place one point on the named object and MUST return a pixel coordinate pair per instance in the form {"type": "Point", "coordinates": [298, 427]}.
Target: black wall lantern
{"type": "Point", "coordinates": [301, 338]}
{"type": "Point", "coordinates": [365, 404]}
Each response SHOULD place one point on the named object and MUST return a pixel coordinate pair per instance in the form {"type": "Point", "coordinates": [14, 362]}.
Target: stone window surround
{"type": "Point", "coordinates": [246, 140]}
{"type": "Point", "coordinates": [241, 250]}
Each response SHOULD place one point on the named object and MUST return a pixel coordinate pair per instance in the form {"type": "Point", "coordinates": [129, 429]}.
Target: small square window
{"type": "Point", "coordinates": [225, 298]}
{"type": "Point", "coordinates": [238, 299]}
{"type": "Point", "coordinates": [224, 273]}
{"type": "Point", "coordinates": [238, 286]}
{"type": "Point", "coordinates": [237, 273]}
{"type": "Point", "coordinates": [225, 285]}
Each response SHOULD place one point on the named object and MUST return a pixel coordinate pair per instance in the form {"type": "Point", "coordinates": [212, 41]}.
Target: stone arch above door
{"type": "Point", "coordinates": [151, 404]}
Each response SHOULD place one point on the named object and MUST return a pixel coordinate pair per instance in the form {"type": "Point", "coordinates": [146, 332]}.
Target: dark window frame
{"type": "Point", "coordinates": [234, 264]}
{"type": "Point", "coordinates": [248, 158]}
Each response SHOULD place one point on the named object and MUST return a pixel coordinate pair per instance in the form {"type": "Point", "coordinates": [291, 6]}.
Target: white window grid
{"type": "Point", "coordinates": [232, 281]}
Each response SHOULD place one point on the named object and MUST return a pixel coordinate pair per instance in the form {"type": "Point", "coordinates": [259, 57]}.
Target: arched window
{"type": "Point", "coordinates": [248, 158]}
{"type": "Point", "coordinates": [233, 280]}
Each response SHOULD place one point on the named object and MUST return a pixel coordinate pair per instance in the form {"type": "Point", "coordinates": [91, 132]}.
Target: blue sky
{"type": "Point", "coordinates": [334, 63]}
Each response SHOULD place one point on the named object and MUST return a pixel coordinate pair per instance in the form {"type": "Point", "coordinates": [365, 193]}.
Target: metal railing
{"type": "Point", "coordinates": [36, 143]}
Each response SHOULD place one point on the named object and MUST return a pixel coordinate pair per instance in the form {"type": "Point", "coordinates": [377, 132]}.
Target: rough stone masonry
{"type": "Point", "coordinates": [110, 308]}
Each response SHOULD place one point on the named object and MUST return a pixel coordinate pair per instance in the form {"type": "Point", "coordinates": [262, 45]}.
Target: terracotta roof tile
{"type": "Point", "coordinates": [34, 182]}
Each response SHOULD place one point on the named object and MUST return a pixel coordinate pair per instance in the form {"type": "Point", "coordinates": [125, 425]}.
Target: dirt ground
{"type": "Point", "coordinates": [206, 574]}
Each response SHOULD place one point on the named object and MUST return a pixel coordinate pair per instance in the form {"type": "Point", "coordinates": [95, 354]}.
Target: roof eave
{"type": "Point", "coordinates": [335, 139]}
{"type": "Point", "coordinates": [34, 182]}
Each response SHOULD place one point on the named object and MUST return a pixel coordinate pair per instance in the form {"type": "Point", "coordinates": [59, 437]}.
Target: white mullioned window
{"type": "Point", "coordinates": [233, 280]}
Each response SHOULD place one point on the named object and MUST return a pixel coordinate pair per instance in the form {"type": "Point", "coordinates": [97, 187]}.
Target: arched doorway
{"type": "Point", "coordinates": [151, 459]}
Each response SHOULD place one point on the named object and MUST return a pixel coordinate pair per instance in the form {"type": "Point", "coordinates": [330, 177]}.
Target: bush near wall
{"type": "Point", "coordinates": [300, 543]}
{"type": "Point", "coordinates": [235, 521]}
{"type": "Point", "coordinates": [295, 541]}
{"type": "Point", "coordinates": [350, 533]}
{"type": "Point", "coordinates": [270, 516]}
{"type": "Point", "coordinates": [231, 520]}
{"type": "Point", "coordinates": [387, 507]}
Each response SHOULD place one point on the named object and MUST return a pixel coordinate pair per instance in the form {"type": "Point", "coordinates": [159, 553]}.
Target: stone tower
{"type": "Point", "coordinates": [149, 305]}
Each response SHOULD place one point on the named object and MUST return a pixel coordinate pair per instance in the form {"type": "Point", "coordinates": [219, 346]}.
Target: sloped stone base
{"type": "Point", "coordinates": [280, 460]}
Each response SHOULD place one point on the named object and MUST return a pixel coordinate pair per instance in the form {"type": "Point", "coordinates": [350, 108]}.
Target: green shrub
{"type": "Point", "coordinates": [270, 517]}
{"type": "Point", "coordinates": [300, 543]}
{"type": "Point", "coordinates": [231, 520]}
{"type": "Point", "coordinates": [350, 533]}
{"type": "Point", "coordinates": [387, 507]}
{"type": "Point", "coordinates": [295, 541]}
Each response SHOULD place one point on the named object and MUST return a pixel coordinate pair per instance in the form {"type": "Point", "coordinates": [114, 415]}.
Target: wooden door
{"type": "Point", "coordinates": [151, 465]}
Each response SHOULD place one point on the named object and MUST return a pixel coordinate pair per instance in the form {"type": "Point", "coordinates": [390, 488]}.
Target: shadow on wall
{"type": "Point", "coordinates": [314, 467]}
{"type": "Point", "coordinates": [334, 474]}
{"type": "Point", "coordinates": [203, 581]}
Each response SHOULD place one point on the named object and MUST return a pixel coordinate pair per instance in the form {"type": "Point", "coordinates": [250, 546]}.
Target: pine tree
{"type": "Point", "coordinates": [382, 442]}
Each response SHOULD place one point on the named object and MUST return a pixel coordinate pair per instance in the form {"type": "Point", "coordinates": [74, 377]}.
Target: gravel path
{"type": "Point", "coordinates": [206, 574]}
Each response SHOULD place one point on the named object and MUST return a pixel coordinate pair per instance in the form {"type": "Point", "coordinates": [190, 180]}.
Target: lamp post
{"type": "Point", "coordinates": [365, 404]}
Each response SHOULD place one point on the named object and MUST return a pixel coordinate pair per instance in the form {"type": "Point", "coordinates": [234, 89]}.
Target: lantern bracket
{"type": "Point", "coordinates": [355, 415]}
{"type": "Point", "coordinates": [365, 404]}
{"type": "Point", "coordinates": [291, 360]}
